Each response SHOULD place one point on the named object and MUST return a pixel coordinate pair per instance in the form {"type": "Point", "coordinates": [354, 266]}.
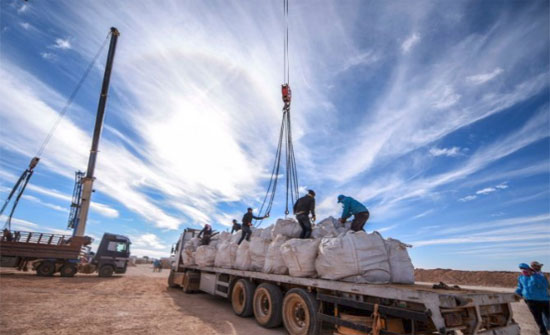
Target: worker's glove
{"type": "Point", "coordinates": [313, 218]}
{"type": "Point", "coordinates": [342, 220]}
{"type": "Point", "coordinates": [266, 216]}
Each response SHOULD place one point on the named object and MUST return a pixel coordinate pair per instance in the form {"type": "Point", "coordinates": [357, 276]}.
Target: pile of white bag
{"type": "Point", "coordinates": [334, 252]}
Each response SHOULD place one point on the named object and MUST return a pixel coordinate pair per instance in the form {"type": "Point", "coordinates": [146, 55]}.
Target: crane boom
{"type": "Point", "coordinates": [88, 180]}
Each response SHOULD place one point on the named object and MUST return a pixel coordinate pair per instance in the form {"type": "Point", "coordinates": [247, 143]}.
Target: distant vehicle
{"type": "Point", "coordinates": [305, 305]}
{"type": "Point", "coordinates": [48, 254]}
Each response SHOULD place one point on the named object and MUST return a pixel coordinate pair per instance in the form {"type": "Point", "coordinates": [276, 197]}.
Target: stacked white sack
{"type": "Point", "coordinates": [299, 256]}
{"type": "Point", "coordinates": [274, 262]}
{"type": "Point", "coordinates": [189, 249]}
{"type": "Point", "coordinates": [226, 254]}
{"type": "Point", "coordinates": [325, 228]}
{"type": "Point", "coordinates": [242, 260]}
{"type": "Point", "coordinates": [258, 250]}
{"type": "Point", "coordinates": [236, 237]}
{"type": "Point", "coordinates": [224, 236]}
{"type": "Point", "coordinates": [355, 257]}
{"type": "Point", "coordinates": [402, 269]}
{"type": "Point", "coordinates": [289, 228]}
{"type": "Point", "coordinates": [205, 255]}
{"type": "Point", "coordinates": [266, 233]}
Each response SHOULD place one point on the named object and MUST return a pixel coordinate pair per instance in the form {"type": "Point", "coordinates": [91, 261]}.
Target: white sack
{"type": "Point", "coordinates": [299, 256]}
{"type": "Point", "coordinates": [224, 236]}
{"type": "Point", "coordinates": [236, 237]}
{"type": "Point", "coordinates": [356, 257]}
{"type": "Point", "coordinates": [242, 260]}
{"type": "Point", "coordinates": [325, 228]}
{"type": "Point", "coordinates": [205, 255]}
{"type": "Point", "coordinates": [266, 233]}
{"type": "Point", "coordinates": [402, 269]}
{"type": "Point", "coordinates": [188, 257]}
{"type": "Point", "coordinates": [226, 254]}
{"type": "Point", "coordinates": [258, 250]}
{"type": "Point", "coordinates": [289, 228]}
{"type": "Point", "coordinates": [274, 262]}
{"type": "Point", "coordinates": [188, 249]}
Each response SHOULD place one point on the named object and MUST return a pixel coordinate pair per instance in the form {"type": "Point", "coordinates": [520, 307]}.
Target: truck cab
{"type": "Point", "coordinates": [112, 255]}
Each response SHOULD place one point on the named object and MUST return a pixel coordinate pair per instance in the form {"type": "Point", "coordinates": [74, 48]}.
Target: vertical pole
{"type": "Point", "coordinates": [88, 180]}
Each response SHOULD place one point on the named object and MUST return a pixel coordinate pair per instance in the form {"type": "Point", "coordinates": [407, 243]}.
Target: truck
{"type": "Point", "coordinates": [48, 254]}
{"type": "Point", "coordinates": [314, 306]}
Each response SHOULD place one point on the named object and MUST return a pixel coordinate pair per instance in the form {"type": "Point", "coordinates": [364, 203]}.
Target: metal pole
{"type": "Point", "coordinates": [88, 180]}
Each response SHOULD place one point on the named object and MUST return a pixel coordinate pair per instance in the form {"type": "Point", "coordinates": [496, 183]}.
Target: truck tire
{"type": "Point", "coordinates": [46, 269]}
{"type": "Point", "coordinates": [300, 312]}
{"type": "Point", "coordinates": [68, 270]}
{"type": "Point", "coordinates": [106, 271]}
{"type": "Point", "coordinates": [171, 280]}
{"type": "Point", "coordinates": [268, 305]}
{"type": "Point", "coordinates": [242, 297]}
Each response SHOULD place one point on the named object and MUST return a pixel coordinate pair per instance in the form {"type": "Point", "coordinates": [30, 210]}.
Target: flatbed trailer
{"type": "Point", "coordinates": [311, 305]}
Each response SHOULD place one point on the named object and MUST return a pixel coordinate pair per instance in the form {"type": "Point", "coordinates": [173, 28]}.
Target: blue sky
{"type": "Point", "coordinates": [435, 114]}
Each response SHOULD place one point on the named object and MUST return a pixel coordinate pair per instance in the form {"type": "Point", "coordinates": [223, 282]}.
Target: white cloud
{"type": "Point", "coordinates": [468, 198]}
{"type": "Point", "coordinates": [361, 59]}
{"type": "Point", "coordinates": [484, 77]}
{"type": "Point", "coordinates": [24, 7]}
{"type": "Point", "coordinates": [48, 55]}
{"type": "Point", "coordinates": [148, 241]}
{"type": "Point", "coordinates": [63, 44]}
{"type": "Point", "coordinates": [486, 190]}
{"type": "Point", "coordinates": [502, 186]}
{"type": "Point", "coordinates": [25, 25]}
{"type": "Point", "coordinates": [410, 42]}
{"type": "Point", "coordinates": [46, 204]}
{"type": "Point", "coordinates": [450, 152]}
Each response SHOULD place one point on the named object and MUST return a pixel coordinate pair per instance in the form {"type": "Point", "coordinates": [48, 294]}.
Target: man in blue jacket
{"type": "Point", "coordinates": [355, 208]}
{"type": "Point", "coordinates": [533, 288]}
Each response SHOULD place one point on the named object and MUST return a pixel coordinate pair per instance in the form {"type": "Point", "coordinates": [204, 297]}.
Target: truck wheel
{"type": "Point", "coordinates": [106, 271]}
{"type": "Point", "coordinates": [171, 280]}
{"type": "Point", "coordinates": [46, 269]}
{"type": "Point", "coordinates": [300, 312]}
{"type": "Point", "coordinates": [268, 303]}
{"type": "Point", "coordinates": [68, 270]}
{"type": "Point", "coordinates": [242, 296]}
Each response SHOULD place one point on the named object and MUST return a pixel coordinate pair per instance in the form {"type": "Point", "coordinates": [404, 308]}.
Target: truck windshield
{"type": "Point", "coordinates": [117, 246]}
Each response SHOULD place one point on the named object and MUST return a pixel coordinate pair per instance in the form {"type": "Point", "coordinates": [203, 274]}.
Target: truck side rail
{"type": "Point", "coordinates": [36, 238]}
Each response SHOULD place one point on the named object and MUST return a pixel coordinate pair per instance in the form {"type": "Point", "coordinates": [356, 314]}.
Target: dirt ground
{"type": "Point", "coordinates": [479, 278]}
{"type": "Point", "coordinates": [136, 303]}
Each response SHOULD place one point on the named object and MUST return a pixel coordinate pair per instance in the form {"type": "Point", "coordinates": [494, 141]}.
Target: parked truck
{"type": "Point", "coordinates": [48, 254]}
{"type": "Point", "coordinates": [310, 305]}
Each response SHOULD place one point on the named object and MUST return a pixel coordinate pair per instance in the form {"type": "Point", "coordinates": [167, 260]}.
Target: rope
{"type": "Point", "coordinates": [71, 98]}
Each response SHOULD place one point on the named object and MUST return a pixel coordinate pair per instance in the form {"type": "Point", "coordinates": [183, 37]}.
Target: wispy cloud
{"type": "Point", "coordinates": [449, 152]}
{"type": "Point", "coordinates": [410, 42]}
{"type": "Point", "coordinates": [48, 55]}
{"type": "Point", "coordinates": [484, 77]}
{"type": "Point", "coordinates": [24, 7]}
{"type": "Point", "coordinates": [468, 198]}
{"type": "Point", "coordinates": [63, 44]}
{"type": "Point", "coordinates": [25, 25]}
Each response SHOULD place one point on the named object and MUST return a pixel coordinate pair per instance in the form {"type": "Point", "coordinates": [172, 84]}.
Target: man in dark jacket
{"type": "Point", "coordinates": [206, 234]}
{"type": "Point", "coordinates": [247, 223]}
{"type": "Point", "coordinates": [236, 226]}
{"type": "Point", "coordinates": [302, 208]}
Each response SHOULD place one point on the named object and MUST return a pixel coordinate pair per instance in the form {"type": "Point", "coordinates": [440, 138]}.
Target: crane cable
{"type": "Point", "coordinates": [23, 180]}
{"type": "Point", "coordinates": [285, 135]}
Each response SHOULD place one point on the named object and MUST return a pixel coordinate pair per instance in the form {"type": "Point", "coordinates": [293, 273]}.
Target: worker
{"type": "Point", "coordinates": [355, 208]}
{"type": "Point", "coordinates": [206, 234]}
{"type": "Point", "coordinates": [533, 288]}
{"type": "Point", "coordinates": [236, 226]}
{"type": "Point", "coordinates": [537, 268]}
{"type": "Point", "coordinates": [8, 236]}
{"type": "Point", "coordinates": [302, 208]}
{"type": "Point", "coordinates": [247, 223]}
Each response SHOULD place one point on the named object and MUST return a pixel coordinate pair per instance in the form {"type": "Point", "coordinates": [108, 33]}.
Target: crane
{"type": "Point", "coordinates": [84, 183]}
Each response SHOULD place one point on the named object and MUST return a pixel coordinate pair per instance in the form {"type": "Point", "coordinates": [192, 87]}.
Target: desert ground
{"type": "Point", "coordinates": [136, 303]}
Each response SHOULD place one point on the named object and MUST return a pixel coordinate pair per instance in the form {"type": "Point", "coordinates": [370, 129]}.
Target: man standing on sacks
{"type": "Point", "coordinates": [302, 208]}
{"type": "Point", "coordinates": [247, 223]}
{"type": "Point", "coordinates": [353, 207]}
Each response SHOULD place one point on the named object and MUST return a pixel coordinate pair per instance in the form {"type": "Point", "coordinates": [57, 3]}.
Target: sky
{"type": "Point", "coordinates": [434, 114]}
